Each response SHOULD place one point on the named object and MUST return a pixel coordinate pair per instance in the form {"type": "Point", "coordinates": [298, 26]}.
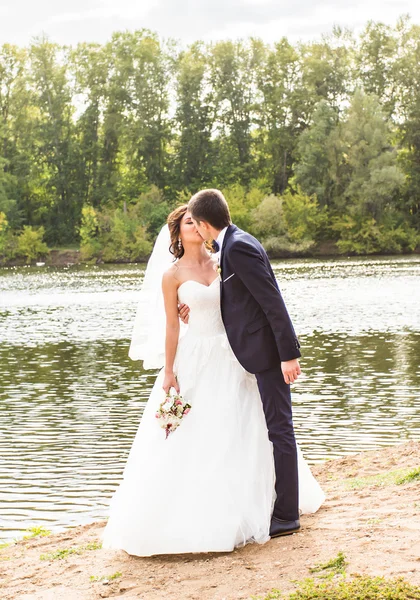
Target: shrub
{"type": "Point", "coordinates": [364, 235]}
{"type": "Point", "coordinates": [289, 224]}
{"type": "Point", "coordinates": [90, 246]}
{"type": "Point", "coordinates": [304, 219]}
{"type": "Point", "coordinates": [8, 240]}
{"type": "Point", "coordinates": [151, 210]}
{"type": "Point", "coordinates": [30, 244]}
{"type": "Point", "coordinates": [123, 237]}
{"type": "Point", "coordinates": [357, 235]}
{"type": "Point", "coordinates": [113, 235]}
{"type": "Point", "coordinates": [268, 218]}
{"type": "Point", "coordinates": [241, 203]}
{"type": "Point", "coordinates": [3, 232]}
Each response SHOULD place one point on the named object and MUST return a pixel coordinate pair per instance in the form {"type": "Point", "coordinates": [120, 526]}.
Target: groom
{"type": "Point", "coordinates": [261, 336]}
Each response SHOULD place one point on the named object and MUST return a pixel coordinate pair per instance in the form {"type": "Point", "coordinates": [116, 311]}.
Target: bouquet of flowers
{"type": "Point", "coordinates": [171, 412]}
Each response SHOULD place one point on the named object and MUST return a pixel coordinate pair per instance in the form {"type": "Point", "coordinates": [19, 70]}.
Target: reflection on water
{"type": "Point", "coordinates": [71, 399]}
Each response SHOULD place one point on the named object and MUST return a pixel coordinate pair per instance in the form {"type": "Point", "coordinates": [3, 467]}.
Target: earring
{"type": "Point", "coordinates": [179, 244]}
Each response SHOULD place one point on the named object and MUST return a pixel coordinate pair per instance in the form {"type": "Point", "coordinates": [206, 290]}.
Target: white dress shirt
{"type": "Point", "coordinates": [219, 240]}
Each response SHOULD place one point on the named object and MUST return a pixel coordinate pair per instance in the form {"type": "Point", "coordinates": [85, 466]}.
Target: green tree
{"type": "Point", "coordinates": [56, 152]}
{"type": "Point", "coordinates": [147, 132]}
{"type": "Point", "coordinates": [195, 117]}
{"type": "Point", "coordinates": [373, 175]}
{"type": "Point", "coordinates": [135, 125]}
{"type": "Point", "coordinates": [375, 59]}
{"type": "Point", "coordinates": [90, 65]}
{"type": "Point", "coordinates": [328, 68]}
{"type": "Point", "coordinates": [407, 74]}
{"type": "Point", "coordinates": [233, 69]}
{"type": "Point", "coordinates": [282, 113]}
{"type": "Point", "coordinates": [12, 93]}
{"type": "Point", "coordinates": [320, 155]}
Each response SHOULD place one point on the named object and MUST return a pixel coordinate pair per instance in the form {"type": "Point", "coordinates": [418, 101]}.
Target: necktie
{"type": "Point", "coordinates": [215, 246]}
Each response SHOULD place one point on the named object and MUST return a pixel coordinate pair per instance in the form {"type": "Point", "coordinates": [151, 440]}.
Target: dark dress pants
{"type": "Point", "coordinates": [277, 405]}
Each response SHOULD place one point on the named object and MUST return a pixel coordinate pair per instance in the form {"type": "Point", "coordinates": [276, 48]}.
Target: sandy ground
{"type": "Point", "coordinates": [377, 526]}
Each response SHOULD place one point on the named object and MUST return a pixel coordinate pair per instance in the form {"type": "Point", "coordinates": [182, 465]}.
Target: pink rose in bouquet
{"type": "Point", "coordinates": [171, 412]}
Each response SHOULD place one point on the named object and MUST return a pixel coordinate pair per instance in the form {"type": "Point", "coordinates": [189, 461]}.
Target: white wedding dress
{"type": "Point", "coordinates": [209, 487]}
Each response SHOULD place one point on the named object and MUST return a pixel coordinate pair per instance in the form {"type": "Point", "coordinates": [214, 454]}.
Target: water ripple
{"type": "Point", "coordinates": [71, 400]}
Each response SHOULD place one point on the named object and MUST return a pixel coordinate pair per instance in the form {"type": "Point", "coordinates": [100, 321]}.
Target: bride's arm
{"type": "Point", "coordinates": [170, 295]}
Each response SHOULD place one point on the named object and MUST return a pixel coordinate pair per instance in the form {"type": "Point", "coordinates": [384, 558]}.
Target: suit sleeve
{"type": "Point", "coordinates": [252, 270]}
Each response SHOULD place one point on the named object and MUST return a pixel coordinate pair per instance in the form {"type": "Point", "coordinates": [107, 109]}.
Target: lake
{"type": "Point", "coordinates": [71, 399]}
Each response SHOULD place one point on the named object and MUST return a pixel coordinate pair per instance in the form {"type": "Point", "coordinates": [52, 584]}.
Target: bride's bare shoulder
{"type": "Point", "coordinates": [170, 276]}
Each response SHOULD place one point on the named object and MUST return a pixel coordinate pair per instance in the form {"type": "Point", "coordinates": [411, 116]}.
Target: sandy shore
{"type": "Point", "coordinates": [372, 515]}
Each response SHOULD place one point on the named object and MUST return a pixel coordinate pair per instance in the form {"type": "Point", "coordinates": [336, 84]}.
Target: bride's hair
{"type": "Point", "coordinates": [174, 224]}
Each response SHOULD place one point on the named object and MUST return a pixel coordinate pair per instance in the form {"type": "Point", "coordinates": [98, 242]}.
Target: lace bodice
{"type": "Point", "coordinates": [204, 302]}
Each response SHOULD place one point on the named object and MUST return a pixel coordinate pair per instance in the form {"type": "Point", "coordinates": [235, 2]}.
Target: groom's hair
{"type": "Point", "coordinates": [210, 206]}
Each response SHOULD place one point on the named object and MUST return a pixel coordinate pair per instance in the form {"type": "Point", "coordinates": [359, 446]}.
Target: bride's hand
{"type": "Point", "coordinates": [170, 381]}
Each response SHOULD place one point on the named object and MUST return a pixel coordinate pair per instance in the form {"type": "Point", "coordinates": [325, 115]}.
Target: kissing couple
{"type": "Point", "coordinates": [232, 473]}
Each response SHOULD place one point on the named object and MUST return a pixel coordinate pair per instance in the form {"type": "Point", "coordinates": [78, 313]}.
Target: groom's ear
{"type": "Point", "coordinates": [204, 225]}
{"type": "Point", "coordinates": [207, 228]}
{"type": "Point", "coordinates": [198, 223]}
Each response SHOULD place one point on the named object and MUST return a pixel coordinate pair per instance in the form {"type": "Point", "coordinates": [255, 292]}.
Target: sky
{"type": "Point", "coordinates": [189, 20]}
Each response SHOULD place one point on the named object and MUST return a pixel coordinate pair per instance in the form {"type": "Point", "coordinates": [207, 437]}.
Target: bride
{"type": "Point", "coordinates": [208, 487]}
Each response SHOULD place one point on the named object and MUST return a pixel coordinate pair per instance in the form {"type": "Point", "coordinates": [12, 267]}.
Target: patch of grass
{"type": "Point", "coordinates": [74, 246]}
{"type": "Point", "coordinates": [397, 477]}
{"type": "Point", "coordinates": [104, 578]}
{"type": "Point", "coordinates": [372, 588]}
{"type": "Point", "coordinates": [335, 565]}
{"type": "Point", "coordinates": [65, 552]}
{"type": "Point", "coordinates": [36, 532]}
{"type": "Point", "coordinates": [5, 545]}
{"type": "Point", "coordinates": [358, 588]}
{"type": "Point", "coordinates": [30, 533]}
{"type": "Point", "coordinates": [273, 595]}
{"type": "Point", "coordinates": [413, 475]}
{"type": "Point", "coordinates": [373, 521]}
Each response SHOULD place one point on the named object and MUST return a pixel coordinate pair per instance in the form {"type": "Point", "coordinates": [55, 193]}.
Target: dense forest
{"type": "Point", "coordinates": [312, 143]}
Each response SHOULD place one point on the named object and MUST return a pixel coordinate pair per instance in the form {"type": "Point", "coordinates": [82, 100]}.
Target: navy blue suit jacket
{"type": "Point", "coordinates": [255, 316]}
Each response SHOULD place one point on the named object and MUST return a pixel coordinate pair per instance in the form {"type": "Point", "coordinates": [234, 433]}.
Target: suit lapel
{"type": "Point", "coordinates": [228, 234]}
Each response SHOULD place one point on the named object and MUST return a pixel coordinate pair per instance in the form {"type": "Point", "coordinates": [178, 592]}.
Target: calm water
{"type": "Point", "coordinates": [71, 399]}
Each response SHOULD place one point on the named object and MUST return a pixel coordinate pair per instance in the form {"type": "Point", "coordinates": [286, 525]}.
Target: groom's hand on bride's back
{"type": "Point", "coordinates": [184, 313]}
{"type": "Point", "coordinates": [291, 370]}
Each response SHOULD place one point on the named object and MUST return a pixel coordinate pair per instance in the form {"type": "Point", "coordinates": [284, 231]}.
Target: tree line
{"type": "Point", "coordinates": [311, 142]}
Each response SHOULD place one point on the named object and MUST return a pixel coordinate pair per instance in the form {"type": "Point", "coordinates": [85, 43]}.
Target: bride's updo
{"type": "Point", "coordinates": [174, 224]}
